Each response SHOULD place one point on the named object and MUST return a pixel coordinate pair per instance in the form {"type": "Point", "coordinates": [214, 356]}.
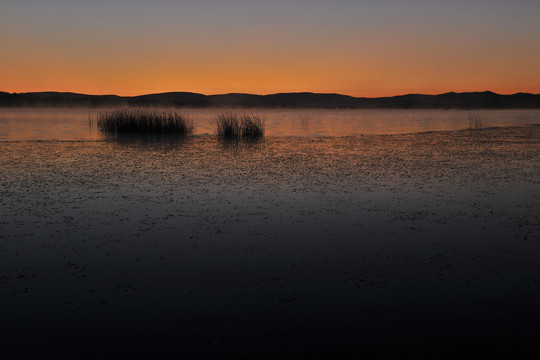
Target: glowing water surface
{"type": "Point", "coordinates": [47, 124]}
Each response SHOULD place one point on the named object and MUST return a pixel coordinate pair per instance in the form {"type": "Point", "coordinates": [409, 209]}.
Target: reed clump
{"type": "Point", "coordinates": [143, 122]}
{"type": "Point", "coordinates": [475, 122]}
{"type": "Point", "coordinates": [247, 126]}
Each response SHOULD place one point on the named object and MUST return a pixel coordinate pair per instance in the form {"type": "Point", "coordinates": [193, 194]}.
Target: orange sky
{"type": "Point", "coordinates": [366, 49]}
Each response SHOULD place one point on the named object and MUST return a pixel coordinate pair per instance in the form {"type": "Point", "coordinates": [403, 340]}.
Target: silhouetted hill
{"type": "Point", "coordinates": [311, 100]}
{"type": "Point", "coordinates": [451, 100]}
{"type": "Point", "coordinates": [57, 99]}
{"type": "Point", "coordinates": [169, 99]}
{"type": "Point", "coordinates": [470, 100]}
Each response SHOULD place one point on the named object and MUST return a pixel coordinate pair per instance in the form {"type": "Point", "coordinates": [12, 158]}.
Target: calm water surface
{"type": "Point", "coordinates": [291, 248]}
{"type": "Point", "coordinates": [46, 124]}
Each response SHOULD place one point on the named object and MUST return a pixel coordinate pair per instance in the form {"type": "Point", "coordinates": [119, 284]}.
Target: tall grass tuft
{"type": "Point", "coordinates": [142, 122]}
{"type": "Point", "coordinates": [475, 122]}
{"type": "Point", "coordinates": [247, 126]}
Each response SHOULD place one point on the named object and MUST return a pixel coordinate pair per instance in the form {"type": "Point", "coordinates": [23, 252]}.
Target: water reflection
{"type": "Point", "coordinates": [236, 145]}
{"type": "Point", "coordinates": [327, 241]}
{"type": "Point", "coordinates": [45, 124]}
{"type": "Point", "coordinates": [302, 123]}
{"type": "Point", "coordinates": [72, 124]}
{"type": "Point", "coordinates": [147, 140]}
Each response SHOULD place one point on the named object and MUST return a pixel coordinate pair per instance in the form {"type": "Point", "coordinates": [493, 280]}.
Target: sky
{"type": "Point", "coordinates": [360, 48]}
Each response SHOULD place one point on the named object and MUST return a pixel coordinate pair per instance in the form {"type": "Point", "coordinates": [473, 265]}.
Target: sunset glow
{"type": "Point", "coordinates": [360, 48]}
{"type": "Point", "coordinates": [270, 179]}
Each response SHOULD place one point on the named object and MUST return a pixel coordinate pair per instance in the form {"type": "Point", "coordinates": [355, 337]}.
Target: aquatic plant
{"type": "Point", "coordinates": [475, 122]}
{"type": "Point", "coordinates": [232, 125]}
{"type": "Point", "coordinates": [142, 122]}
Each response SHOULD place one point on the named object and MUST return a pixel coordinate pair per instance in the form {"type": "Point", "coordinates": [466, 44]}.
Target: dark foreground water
{"type": "Point", "coordinates": [399, 246]}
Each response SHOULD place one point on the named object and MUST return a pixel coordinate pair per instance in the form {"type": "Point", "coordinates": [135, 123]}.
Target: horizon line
{"type": "Point", "coordinates": [268, 94]}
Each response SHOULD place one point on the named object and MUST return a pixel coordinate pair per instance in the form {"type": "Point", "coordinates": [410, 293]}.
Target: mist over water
{"type": "Point", "coordinates": [64, 124]}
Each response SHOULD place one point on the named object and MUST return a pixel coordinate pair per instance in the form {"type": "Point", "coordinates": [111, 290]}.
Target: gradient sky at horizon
{"type": "Point", "coordinates": [360, 48]}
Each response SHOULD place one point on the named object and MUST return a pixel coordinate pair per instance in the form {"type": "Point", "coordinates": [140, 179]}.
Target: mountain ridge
{"type": "Point", "coordinates": [448, 100]}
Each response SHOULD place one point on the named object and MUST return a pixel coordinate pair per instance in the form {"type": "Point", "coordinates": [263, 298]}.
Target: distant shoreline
{"type": "Point", "coordinates": [301, 100]}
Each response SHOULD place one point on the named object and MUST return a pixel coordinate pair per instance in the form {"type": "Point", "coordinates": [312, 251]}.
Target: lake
{"type": "Point", "coordinates": [72, 124]}
{"type": "Point", "coordinates": [308, 244]}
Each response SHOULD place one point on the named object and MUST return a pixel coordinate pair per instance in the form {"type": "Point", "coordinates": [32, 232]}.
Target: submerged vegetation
{"type": "Point", "coordinates": [247, 126]}
{"type": "Point", "coordinates": [142, 122]}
